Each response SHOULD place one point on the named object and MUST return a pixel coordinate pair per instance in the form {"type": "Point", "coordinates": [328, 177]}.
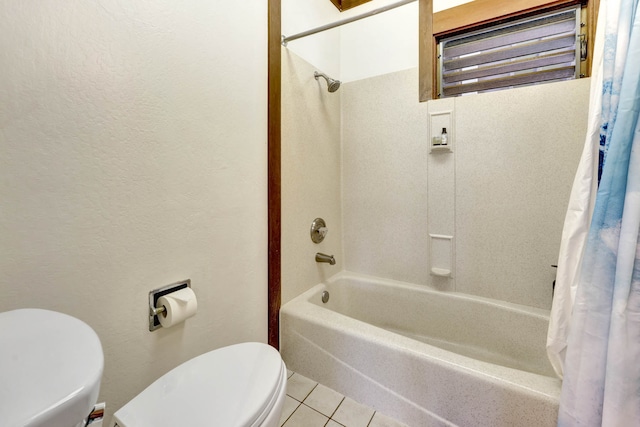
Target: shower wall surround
{"type": "Point", "coordinates": [514, 158]}
{"type": "Point", "coordinates": [385, 149]}
{"type": "Point", "coordinates": [311, 159]}
{"type": "Point", "coordinates": [503, 198]}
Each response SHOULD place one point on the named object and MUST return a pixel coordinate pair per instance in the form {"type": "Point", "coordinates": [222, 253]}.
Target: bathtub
{"type": "Point", "coordinates": [424, 357]}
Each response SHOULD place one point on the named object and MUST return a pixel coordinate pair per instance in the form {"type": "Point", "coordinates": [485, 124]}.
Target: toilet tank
{"type": "Point", "coordinates": [50, 369]}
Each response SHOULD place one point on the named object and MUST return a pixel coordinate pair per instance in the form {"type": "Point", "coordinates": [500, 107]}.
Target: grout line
{"type": "Point", "coordinates": [292, 412]}
{"type": "Point", "coordinates": [331, 419]}
{"type": "Point", "coordinates": [373, 415]}
{"type": "Point", "coordinates": [297, 400]}
{"type": "Point", "coordinates": [309, 394]}
{"type": "Point", "coordinates": [336, 410]}
{"type": "Point", "coordinates": [315, 410]}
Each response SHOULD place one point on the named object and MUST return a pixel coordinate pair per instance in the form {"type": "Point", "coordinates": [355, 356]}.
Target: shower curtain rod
{"type": "Point", "coordinates": [286, 40]}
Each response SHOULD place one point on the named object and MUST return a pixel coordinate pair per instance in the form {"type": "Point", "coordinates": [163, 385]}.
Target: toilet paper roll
{"type": "Point", "coordinates": [180, 305]}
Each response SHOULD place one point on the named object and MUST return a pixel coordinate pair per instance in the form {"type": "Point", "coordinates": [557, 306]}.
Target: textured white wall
{"type": "Point", "coordinates": [133, 155]}
{"type": "Point", "coordinates": [380, 44]}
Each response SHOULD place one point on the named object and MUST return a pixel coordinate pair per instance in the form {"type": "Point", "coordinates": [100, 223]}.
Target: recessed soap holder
{"type": "Point", "coordinates": [441, 125]}
{"type": "Point", "coordinates": [154, 323]}
{"type": "Point", "coordinates": [441, 255]}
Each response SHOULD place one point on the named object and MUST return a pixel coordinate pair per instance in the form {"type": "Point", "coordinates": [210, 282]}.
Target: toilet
{"type": "Point", "coordinates": [50, 369]}
{"type": "Point", "coordinates": [51, 365]}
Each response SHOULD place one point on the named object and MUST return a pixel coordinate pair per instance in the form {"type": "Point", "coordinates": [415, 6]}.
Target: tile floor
{"type": "Point", "coordinates": [309, 404]}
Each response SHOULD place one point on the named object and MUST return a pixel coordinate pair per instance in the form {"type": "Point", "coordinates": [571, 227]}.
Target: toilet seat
{"type": "Point", "coordinates": [235, 386]}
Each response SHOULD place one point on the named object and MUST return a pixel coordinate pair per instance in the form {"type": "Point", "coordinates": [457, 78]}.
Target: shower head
{"type": "Point", "coordinates": [332, 85]}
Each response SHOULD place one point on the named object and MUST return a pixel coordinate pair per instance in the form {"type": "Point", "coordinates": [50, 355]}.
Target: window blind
{"type": "Point", "coordinates": [523, 52]}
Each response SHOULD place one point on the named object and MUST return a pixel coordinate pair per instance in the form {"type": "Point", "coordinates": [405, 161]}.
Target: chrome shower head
{"type": "Point", "coordinates": [332, 85]}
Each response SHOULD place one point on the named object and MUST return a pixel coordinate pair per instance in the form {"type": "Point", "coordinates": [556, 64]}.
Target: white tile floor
{"type": "Point", "coordinates": [309, 404]}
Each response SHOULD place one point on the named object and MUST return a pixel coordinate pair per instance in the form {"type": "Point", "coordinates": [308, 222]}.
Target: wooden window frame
{"type": "Point", "coordinates": [478, 14]}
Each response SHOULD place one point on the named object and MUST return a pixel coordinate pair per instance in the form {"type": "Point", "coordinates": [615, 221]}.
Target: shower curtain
{"type": "Point", "coordinates": [578, 217]}
{"type": "Point", "coordinates": [601, 369]}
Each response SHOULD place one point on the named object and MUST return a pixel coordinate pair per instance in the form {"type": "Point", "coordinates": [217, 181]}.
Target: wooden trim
{"type": "Point", "coordinates": [343, 5]}
{"type": "Point", "coordinates": [483, 12]}
{"type": "Point", "coordinates": [273, 168]}
{"type": "Point", "coordinates": [592, 20]}
{"type": "Point", "coordinates": [426, 62]}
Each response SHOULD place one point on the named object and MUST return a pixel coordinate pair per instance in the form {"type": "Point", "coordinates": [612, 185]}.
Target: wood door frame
{"type": "Point", "coordinates": [274, 294]}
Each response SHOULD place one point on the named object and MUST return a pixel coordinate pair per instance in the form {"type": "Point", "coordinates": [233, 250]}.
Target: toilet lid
{"type": "Point", "coordinates": [50, 368]}
{"type": "Point", "coordinates": [232, 387]}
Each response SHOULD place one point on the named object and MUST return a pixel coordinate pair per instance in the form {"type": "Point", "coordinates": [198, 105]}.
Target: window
{"type": "Point", "coordinates": [477, 17]}
{"type": "Point", "coordinates": [533, 50]}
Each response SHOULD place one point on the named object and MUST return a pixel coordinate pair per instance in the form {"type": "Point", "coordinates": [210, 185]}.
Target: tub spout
{"type": "Point", "coordinates": [325, 258]}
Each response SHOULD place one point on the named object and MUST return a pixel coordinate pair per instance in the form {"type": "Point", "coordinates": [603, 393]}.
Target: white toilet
{"type": "Point", "coordinates": [51, 365]}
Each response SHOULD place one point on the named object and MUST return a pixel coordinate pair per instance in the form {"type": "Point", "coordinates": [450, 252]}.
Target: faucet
{"type": "Point", "coordinates": [325, 258]}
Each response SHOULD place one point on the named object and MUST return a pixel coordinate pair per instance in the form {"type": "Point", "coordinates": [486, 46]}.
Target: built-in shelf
{"type": "Point", "coordinates": [438, 121]}
{"type": "Point", "coordinates": [442, 272]}
{"type": "Point", "coordinates": [441, 149]}
{"type": "Point", "coordinates": [441, 255]}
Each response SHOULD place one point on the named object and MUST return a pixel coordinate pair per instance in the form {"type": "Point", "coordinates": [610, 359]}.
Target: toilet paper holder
{"type": "Point", "coordinates": [154, 311]}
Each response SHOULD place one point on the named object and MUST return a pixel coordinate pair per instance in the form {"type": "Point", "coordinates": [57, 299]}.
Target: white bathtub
{"type": "Point", "coordinates": [424, 357]}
